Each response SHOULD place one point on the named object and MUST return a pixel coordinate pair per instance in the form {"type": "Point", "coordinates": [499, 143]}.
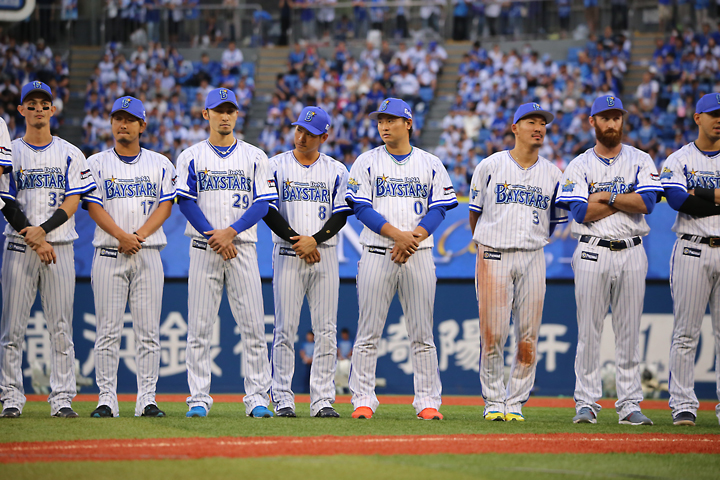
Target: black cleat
{"type": "Point", "coordinates": [101, 412]}
{"type": "Point", "coordinates": [286, 412]}
{"type": "Point", "coordinates": [152, 410]}
{"type": "Point", "coordinates": [66, 412]}
{"type": "Point", "coordinates": [327, 412]}
{"type": "Point", "coordinates": [684, 418]}
{"type": "Point", "coordinates": [10, 412]}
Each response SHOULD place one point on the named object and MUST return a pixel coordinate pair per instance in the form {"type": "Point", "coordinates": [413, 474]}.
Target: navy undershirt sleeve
{"type": "Point", "coordinates": [578, 209]}
{"type": "Point", "coordinates": [195, 216]}
{"type": "Point", "coordinates": [432, 220]}
{"type": "Point", "coordinates": [251, 216]}
{"type": "Point", "coordinates": [676, 196]}
{"type": "Point", "coordinates": [650, 198]}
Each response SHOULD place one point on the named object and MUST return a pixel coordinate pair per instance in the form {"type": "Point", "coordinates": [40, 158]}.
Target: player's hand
{"type": "Point", "coordinates": [304, 245]}
{"type": "Point", "coordinates": [221, 238]}
{"type": "Point", "coordinates": [599, 197]}
{"type": "Point", "coordinates": [312, 257]}
{"type": "Point", "coordinates": [46, 253]}
{"type": "Point", "coordinates": [690, 192]}
{"type": "Point", "coordinates": [228, 253]}
{"type": "Point", "coordinates": [406, 242]}
{"type": "Point", "coordinates": [130, 243]}
{"type": "Point", "coordinates": [34, 236]}
{"type": "Point", "coordinates": [399, 256]}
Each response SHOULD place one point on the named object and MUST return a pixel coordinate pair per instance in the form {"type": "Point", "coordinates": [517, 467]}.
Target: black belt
{"type": "Point", "coordinates": [613, 245]}
{"type": "Point", "coordinates": [712, 241]}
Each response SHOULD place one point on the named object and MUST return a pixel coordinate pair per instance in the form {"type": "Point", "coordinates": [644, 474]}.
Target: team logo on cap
{"type": "Point", "coordinates": [37, 84]}
{"type": "Point", "coordinates": [536, 106]}
{"type": "Point", "coordinates": [310, 115]}
{"type": "Point", "coordinates": [384, 106]}
{"type": "Point", "coordinates": [223, 94]}
{"type": "Point", "coordinates": [126, 102]}
{"type": "Point", "coordinates": [717, 97]}
{"type": "Point", "coordinates": [610, 101]}
{"type": "Point", "coordinates": [407, 112]}
{"type": "Point", "coordinates": [327, 127]}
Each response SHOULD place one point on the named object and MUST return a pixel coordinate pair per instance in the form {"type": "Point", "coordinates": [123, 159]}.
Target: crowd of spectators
{"type": "Point", "coordinates": [23, 63]}
{"type": "Point", "coordinates": [494, 83]}
{"type": "Point", "coordinates": [349, 87]}
{"type": "Point", "coordinates": [172, 89]}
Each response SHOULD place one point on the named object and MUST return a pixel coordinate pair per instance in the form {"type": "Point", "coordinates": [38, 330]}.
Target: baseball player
{"type": "Point", "coordinates": [513, 197]}
{"type": "Point", "coordinates": [42, 194]}
{"type": "Point", "coordinates": [137, 190]}
{"type": "Point", "coordinates": [310, 211]}
{"type": "Point", "coordinates": [400, 193]}
{"type": "Point", "coordinates": [609, 188]}
{"type": "Point", "coordinates": [690, 177]}
{"type": "Point", "coordinates": [225, 188]}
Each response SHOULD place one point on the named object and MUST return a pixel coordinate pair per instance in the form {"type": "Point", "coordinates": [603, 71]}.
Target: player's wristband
{"type": "Point", "coordinates": [613, 196]}
{"type": "Point", "coordinates": [705, 194]}
{"type": "Point", "coordinates": [57, 219]}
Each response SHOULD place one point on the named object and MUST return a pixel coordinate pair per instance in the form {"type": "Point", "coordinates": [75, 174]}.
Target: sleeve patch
{"type": "Point", "coordinates": [174, 180]}
{"type": "Point", "coordinates": [449, 191]}
{"type": "Point", "coordinates": [655, 176]}
{"type": "Point", "coordinates": [85, 174]}
{"type": "Point", "coordinates": [665, 174]}
{"type": "Point", "coordinates": [271, 183]}
{"type": "Point", "coordinates": [353, 185]}
{"type": "Point", "coordinates": [569, 186]}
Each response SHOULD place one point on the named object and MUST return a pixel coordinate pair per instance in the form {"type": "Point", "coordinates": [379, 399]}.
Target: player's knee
{"type": "Point", "coordinates": [526, 352]}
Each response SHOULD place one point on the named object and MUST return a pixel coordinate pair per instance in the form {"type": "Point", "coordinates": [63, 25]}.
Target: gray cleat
{"type": "Point", "coordinates": [585, 415]}
{"type": "Point", "coordinates": [636, 418]}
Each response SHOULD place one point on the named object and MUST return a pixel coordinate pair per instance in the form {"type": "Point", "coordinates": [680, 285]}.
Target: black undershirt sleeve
{"type": "Point", "coordinates": [331, 227]}
{"type": "Point", "coordinates": [707, 194]}
{"type": "Point", "coordinates": [279, 225]}
{"type": "Point", "coordinates": [58, 218]}
{"type": "Point", "coordinates": [14, 216]}
{"type": "Point", "coordinates": [698, 207]}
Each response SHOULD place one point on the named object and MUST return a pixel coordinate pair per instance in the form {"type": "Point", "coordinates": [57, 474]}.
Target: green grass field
{"type": "Point", "coordinates": [229, 420]}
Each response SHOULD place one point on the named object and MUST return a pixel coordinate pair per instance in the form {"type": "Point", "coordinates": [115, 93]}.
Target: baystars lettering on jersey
{"type": "Point", "coordinates": [514, 202]}
{"type": "Point", "coordinates": [51, 173]}
{"type": "Point", "coordinates": [309, 195]}
{"type": "Point", "coordinates": [148, 180]}
{"type": "Point", "coordinates": [631, 171]}
{"type": "Point", "coordinates": [401, 192]}
{"type": "Point", "coordinates": [226, 192]}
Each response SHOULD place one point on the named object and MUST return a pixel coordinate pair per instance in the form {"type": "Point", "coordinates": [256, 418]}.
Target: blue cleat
{"type": "Point", "coordinates": [260, 412]}
{"type": "Point", "coordinates": [196, 411]}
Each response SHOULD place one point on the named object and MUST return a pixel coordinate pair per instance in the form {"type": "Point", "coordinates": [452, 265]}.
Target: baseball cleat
{"type": "Point", "coordinates": [585, 415]}
{"type": "Point", "coordinates": [286, 412]}
{"type": "Point", "coordinates": [10, 412]}
{"type": "Point", "coordinates": [684, 418]}
{"type": "Point", "coordinates": [102, 411]}
{"type": "Point", "coordinates": [196, 411]}
{"type": "Point", "coordinates": [327, 412]}
{"type": "Point", "coordinates": [430, 414]}
{"type": "Point", "coordinates": [636, 418]}
{"type": "Point", "coordinates": [261, 412]}
{"type": "Point", "coordinates": [514, 417]}
{"type": "Point", "coordinates": [494, 416]}
{"type": "Point", "coordinates": [363, 412]}
{"type": "Point", "coordinates": [152, 410]}
{"type": "Point", "coordinates": [66, 412]}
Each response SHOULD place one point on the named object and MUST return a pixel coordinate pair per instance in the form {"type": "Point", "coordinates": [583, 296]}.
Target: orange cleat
{"type": "Point", "coordinates": [430, 414]}
{"type": "Point", "coordinates": [362, 412]}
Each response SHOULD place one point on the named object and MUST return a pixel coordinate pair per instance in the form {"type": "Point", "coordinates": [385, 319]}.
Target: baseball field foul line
{"type": "Point", "coordinates": [236, 447]}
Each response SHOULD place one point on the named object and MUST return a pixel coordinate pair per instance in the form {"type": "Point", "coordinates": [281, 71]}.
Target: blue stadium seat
{"type": "Point", "coordinates": [427, 94]}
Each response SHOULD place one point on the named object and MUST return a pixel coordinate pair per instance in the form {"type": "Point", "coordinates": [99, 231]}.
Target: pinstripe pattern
{"type": "Point", "coordinates": [308, 196]}
{"type": "Point", "coordinates": [116, 281]}
{"type": "Point", "coordinates": [510, 284]}
{"type": "Point", "coordinates": [616, 280]}
{"type": "Point", "coordinates": [22, 275]}
{"type": "Point", "coordinates": [207, 276]}
{"type": "Point", "coordinates": [378, 279]}
{"type": "Point", "coordinates": [5, 153]}
{"type": "Point", "coordinates": [292, 280]}
{"type": "Point", "coordinates": [694, 276]}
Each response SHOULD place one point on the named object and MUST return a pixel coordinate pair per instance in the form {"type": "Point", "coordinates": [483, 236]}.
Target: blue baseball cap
{"type": "Point", "coordinates": [708, 103]}
{"type": "Point", "coordinates": [219, 96]}
{"type": "Point", "coordinates": [35, 86]}
{"type": "Point", "coordinates": [313, 119]}
{"type": "Point", "coordinates": [394, 107]}
{"type": "Point", "coordinates": [131, 105]}
{"type": "Point", "coordinates": [605, 103]}
{"type": "Point", "coordinates": [528, 109]}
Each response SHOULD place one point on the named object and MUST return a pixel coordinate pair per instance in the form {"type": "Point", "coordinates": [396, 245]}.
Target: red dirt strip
{"type": "Point", "coordinates": [245, 447]}
{"type": "Point", "coordinates": [455, 400]}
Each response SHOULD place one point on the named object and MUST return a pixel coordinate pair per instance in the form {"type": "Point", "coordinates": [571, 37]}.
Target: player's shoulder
{"type": "Point", "coordinates": [492, 162]}
{"type": "Point", "coordinates": [548, 166]}
{"type": "Point", "coordinates": [684, 154]}
{"type": "Point", "coordinates": [581, 160]}
{"type": "Point", "coordinates": [156, 157]}
{"type": "Point", "coordinates": [252, 150]}
{"type": "Point", "coordinates": [61, 143]}
{"type": "Point", "coordinates": [281, 158]}
{"type": "Point", "coordinates": [195, 149]}
{"type": "Point", "coordinates": [333, 163]}
{"type": "Point", "coordinates": [369, 156]}
{"type": "Point", "coordinates": [101, 157]}
{"type": "Point", "coordinates": [635, 154]}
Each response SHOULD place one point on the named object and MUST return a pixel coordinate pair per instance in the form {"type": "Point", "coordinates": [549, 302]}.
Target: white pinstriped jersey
{"type": "Point", "coordinates": [309, 195]}
{"type": "Point", "coordinates": [225, 186]}
{"type": "Point", "coordinates": [40, 181]}
{"type": "Point", "coordinates": [631, 171]}
{"type": "Point", "coordinates": [131, 192]}
{"type": "Point", "coordinates": [5, 152]}
{"type": "Point", "coordinates": [686, 169]}
{"type": "Point", "coordinates": [516, 204]}
{"type": "Point", "coordinates": [401, 192]}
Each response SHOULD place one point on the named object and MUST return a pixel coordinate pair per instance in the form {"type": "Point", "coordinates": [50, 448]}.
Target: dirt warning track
{"type": "Point", "coordinates": [245, 447]}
